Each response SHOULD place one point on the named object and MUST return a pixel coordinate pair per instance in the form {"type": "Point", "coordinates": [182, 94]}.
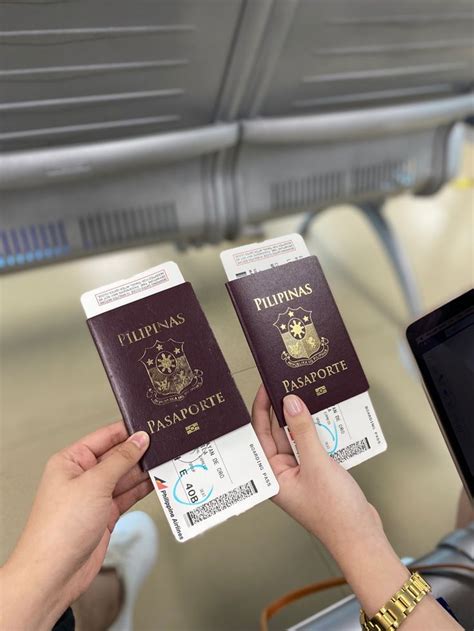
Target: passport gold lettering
{"type": "Point", "coordinates": [130, 337]}
{"type": "Point", "coordinates": [283, 296]}
{"type": "Point", "coordinates": [309, 378]}
{"type": "Point", "coordinates": [155, 425]}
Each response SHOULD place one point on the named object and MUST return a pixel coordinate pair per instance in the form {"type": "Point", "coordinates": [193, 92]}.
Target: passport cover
{"type": "Point", "coordinates": [168, 373]}
{"type": "Point", "coordinates": [297, 336]}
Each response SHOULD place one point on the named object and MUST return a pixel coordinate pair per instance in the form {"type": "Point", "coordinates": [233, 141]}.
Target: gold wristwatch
{"type": "Point", "coordinates": [400, 605]}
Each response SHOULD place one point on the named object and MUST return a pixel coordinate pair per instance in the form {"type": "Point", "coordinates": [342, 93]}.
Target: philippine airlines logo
{"type": "Point", "coordinates": [160, 484]}
{"type": "Point", "coordinates": [303, 346]}
{"type": "Point", "coordinates": [169, 372]}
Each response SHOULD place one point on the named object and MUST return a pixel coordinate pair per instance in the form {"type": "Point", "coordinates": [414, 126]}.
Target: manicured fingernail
{"type": "Point", "coordinates": [140, 439]}
{"type": "Point", "coordinates": [292, 405]}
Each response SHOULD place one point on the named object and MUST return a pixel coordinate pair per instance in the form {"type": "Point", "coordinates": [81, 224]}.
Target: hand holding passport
{"type": "Point", "coordinates": [171, 380]}
{"type": "Point", "coordinates": [301, 345]}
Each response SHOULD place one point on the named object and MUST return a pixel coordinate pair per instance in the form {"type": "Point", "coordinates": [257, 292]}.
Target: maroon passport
{"type": "Point", "coordinates": [297, 336]}
{"type": "Point", "coordinates": [168, 373]}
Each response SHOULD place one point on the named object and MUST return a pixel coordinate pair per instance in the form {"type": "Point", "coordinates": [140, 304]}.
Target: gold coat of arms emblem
{"type": "Point", "coordinates": [303, 345]}
{"type": "Point", "coordinates": [169, 372]}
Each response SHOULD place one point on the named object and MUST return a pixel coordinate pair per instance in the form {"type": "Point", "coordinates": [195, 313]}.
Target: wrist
{"type": "Point", "coordinates": [30, 600]}
{"type": "Point", "coordinates": [371, 567]}
{"type": "Point", "coordinates": [341, 534]}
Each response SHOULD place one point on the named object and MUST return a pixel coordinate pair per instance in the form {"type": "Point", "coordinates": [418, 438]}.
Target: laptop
{"type": "Point", "coordinates": [443, 345]}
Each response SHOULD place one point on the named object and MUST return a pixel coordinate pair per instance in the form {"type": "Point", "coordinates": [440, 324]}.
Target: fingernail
{"type": "Point", "coordinates": [292, 405]}
{"type": "Point", "coordinates": [140, 439]}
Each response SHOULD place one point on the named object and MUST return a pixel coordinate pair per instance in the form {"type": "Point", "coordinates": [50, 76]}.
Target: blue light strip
{"type": "Point", "coordinates": [34, 243]}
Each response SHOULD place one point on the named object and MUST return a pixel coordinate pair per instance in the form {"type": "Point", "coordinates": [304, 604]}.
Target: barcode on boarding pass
{"type": "Point", "coordinates": [254, 270]}
{"type": "Point", "coordinates": [221, 503]}
{"type": "Point", "coordinates": [354, 449]}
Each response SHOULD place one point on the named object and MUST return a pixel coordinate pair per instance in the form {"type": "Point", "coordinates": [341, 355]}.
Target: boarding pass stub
{"type": "Point", "coordinates": [256, 257]}
{"type": "Point", "coordinates": [350, 430]}
{"type": "Point", "coordinates": [127, 290]}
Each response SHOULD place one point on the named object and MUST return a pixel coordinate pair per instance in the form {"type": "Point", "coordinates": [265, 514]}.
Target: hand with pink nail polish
{"type": "Point", "coordinates": [84, 490]}
{"type": "Point", "coordinates": [318, 493]}
{"type": "Point", "coordinates": [324, 498]}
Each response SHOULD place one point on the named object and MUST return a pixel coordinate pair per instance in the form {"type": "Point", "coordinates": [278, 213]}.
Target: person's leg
{"type": "Point", "coordinates": [110, 600]}
{"type": "Point", "coordinates": [100, 605]}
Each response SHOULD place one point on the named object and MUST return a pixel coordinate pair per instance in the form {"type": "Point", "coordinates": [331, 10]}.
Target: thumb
{"type": "Point", "coordinates": [124, 458]}
{"type": "Point", "coordinates": [302, 429]}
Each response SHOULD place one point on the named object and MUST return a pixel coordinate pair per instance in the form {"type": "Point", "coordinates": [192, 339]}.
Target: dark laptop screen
{"type": "Point", "coordinates": [451, 366]}
{"type": "Point", "coordinates": [443, 344]}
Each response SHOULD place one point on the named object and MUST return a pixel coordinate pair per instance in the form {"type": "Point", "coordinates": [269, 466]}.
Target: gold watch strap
{"type": "Point", "coordinates": [400, 605]}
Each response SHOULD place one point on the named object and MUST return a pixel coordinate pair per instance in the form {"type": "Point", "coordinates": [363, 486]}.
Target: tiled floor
{"type": "Point", "coordinates": [54, 390]}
